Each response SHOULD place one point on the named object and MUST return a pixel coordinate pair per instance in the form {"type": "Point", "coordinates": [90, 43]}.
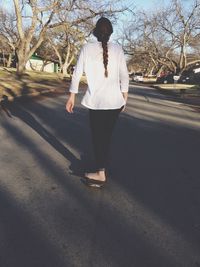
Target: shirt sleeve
{"type": "Point", "coordinates": [123, 73]}
{"type": "Point", "coordinates": [77, 73]}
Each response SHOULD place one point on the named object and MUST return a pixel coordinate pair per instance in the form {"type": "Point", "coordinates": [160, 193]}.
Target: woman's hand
{"type": "Point", "coordinates": [125, 96]}
{"type": "Point", "coordinates": [123, 108]}
{"type": "Point", "coordinates": [70, 103]}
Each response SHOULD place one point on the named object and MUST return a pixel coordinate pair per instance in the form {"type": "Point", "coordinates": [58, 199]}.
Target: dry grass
{"type": "Point", "coordinates": [30, 82]}
{"type": "Point", "coordinates": [10, 83]}
{"type": "Point", "coordinates": [149, 80]}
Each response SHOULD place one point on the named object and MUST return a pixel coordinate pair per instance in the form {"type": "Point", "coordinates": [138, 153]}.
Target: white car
{"type": "Point", "coordinates": [138, 77]}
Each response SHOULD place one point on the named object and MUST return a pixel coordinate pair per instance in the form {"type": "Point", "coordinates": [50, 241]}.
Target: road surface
{"type": "Point", "coordinates": [148, 214]}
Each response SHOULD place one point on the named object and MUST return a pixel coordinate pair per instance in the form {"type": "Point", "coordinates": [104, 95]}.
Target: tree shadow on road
{"type": "Point", "coordinates": [22, 241]}
{"type": "Point", "coordinates": [82, 217]}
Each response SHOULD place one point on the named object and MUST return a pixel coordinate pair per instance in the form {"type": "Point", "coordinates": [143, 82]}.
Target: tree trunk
{"type": "Point", "coordinates": [159, 71]}
{"type": "Point", "coordinates": [9, 61]}
{"type": "Point", "coordinates": [21, 63]}
{"type": "Point", "coordinates": [21, 67]}
{"type": "Point", "coordinates": [66, 65]}
{"type": "Point", "coordinates": [64, 70]}
{"type": "Point", "coordinates": [4, 59]}
{"type": "Point", "coordinates": [151, 70]}
{"type": "Point", "coordinates": [43, 65]}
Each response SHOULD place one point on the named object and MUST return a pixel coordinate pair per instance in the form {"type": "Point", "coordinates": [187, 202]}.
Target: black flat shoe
{"type": "Point", "coordinates": [93, 183]}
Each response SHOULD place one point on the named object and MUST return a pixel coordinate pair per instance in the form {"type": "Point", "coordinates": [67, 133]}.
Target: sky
{"type": "Point", "coordinates": [152, 4]}
{"type": "Point", "coordinates": [146, 4]}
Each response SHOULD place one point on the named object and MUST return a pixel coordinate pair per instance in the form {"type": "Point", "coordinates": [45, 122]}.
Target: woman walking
{"type": "Point", "coordinates": [107, 76]}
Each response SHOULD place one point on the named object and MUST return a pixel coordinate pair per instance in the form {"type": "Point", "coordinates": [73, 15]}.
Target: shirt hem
{"type": "Point", "coordinates": [87, 106]}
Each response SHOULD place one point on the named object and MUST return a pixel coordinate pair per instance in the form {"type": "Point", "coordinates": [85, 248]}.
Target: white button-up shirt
{"type": "Point", "coordinates": [102, 92]}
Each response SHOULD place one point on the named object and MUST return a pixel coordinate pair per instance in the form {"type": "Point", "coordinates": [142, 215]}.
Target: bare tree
{"type": "Point", "coordinates": [166, 38]}
{"type": "Point", "coordinates": [40, 20]}
{"type": "Point", "coordinates": [32, 19]}
{"type": "Point", "coordinates": [8, 35]}
{"type": "Point", "coordinates": [66, 42]}
{"type": "Point", "coordinates": [181, 26]}
{"type": "Point", "coordinates": [46, 52]}
{"type": "Point", "coordinates": [6, 52]}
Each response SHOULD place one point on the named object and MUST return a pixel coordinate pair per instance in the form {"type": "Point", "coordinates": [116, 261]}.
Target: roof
{"type": "Point", "coordinates": [34, 56]}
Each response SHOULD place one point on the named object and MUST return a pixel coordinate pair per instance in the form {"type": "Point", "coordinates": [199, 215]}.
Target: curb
{"type": "Point", "coordinates": [178, 94]}
{"type": "Point", "coordinates": [172, 92]}
{"type": "Point", "coordinates": [176, 91]}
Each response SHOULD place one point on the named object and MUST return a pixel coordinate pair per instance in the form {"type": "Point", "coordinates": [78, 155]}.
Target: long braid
{"type": "Point", "coordinates": [105, 57]}
{"type": "Point", "coordinates": [102, 31]}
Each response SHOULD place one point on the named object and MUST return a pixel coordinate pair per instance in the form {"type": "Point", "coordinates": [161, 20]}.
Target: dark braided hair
{"type": "Point", "coordinates": [102, 31]}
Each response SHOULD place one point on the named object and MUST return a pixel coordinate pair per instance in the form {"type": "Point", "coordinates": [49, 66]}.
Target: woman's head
{"type": "Point", "coordinates": [102, 32]}
{"type": "Point", "coordinates": [103, 29]}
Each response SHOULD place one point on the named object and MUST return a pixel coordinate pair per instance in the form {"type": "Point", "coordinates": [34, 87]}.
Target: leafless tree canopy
{"type": "Point", "coordinates": [168, 38]}
{"type": "Point", "coordinates": [31, 22]}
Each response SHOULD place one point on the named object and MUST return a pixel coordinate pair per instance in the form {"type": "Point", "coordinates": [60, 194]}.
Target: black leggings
{"type": "Point", "coordinates": [102, 122]}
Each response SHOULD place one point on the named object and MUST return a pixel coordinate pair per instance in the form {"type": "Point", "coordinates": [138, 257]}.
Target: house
{"type": "Point", "coordinates": [37, 63]}
{"type": "Point", "coordinates": [34, 63]}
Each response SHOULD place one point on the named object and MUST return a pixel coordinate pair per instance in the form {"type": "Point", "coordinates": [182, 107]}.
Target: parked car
{"type": "Point", "coordinates": [184, 79]}
{"type": "Point", "coordinates": [190, 77]}
{"type": "Point", "coordinates": [169, 78]}
{"type": "Point", "coordinates": [131, 76]}
{"type": "Point", "coordinates": [138, 77]}
{"type": "Point", "coordinates": [187, 77]}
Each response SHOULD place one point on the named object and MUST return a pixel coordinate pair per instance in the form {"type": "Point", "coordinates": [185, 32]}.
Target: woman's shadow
{"type": "Point", "coordinates": [77, 166]}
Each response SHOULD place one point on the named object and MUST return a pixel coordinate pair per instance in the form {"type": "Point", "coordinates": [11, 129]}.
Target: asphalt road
{"type": "Point", "coordinates": [148, 214]}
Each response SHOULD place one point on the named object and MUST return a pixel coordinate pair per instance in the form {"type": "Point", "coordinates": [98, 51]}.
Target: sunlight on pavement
{"type": "Point", "coordinates": [154, 112]}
